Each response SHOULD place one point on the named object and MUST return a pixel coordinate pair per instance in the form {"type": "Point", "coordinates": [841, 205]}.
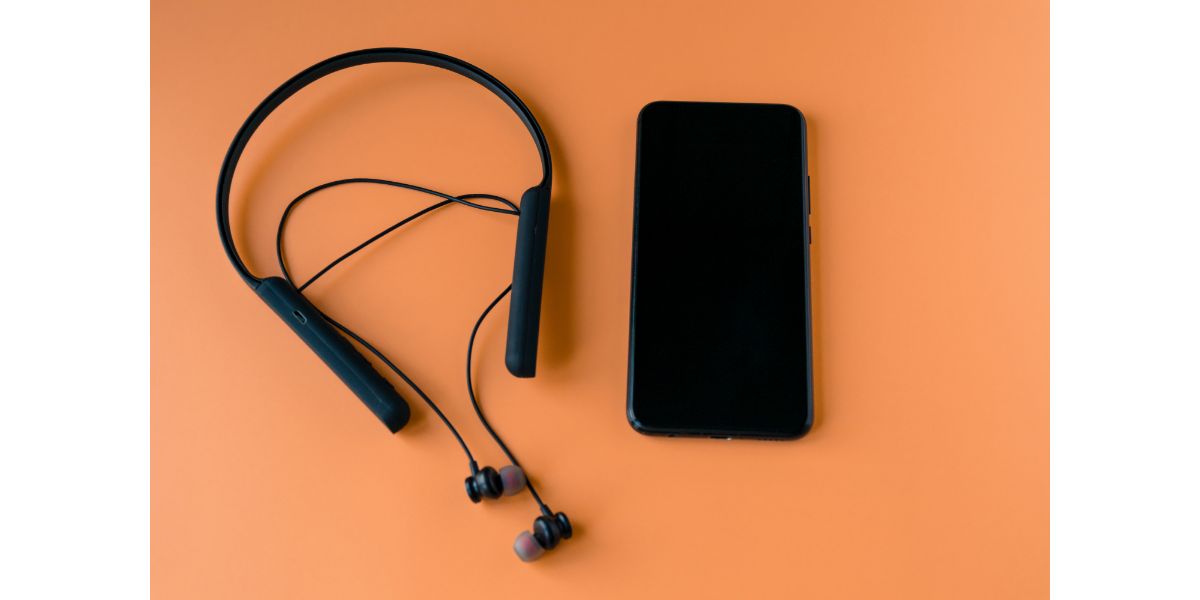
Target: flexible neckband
{"type": "Point", "coordinates": [305, 320]}
{"type": "Point", "coordinates": [333, 65]}
{"type": "Point", "coordinates": [330, 340]}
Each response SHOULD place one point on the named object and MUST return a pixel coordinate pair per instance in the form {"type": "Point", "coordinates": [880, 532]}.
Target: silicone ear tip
{"type": "Point", "coordinates": [513, 478]}
{"type": "Point", "coordinates": [527, 548]}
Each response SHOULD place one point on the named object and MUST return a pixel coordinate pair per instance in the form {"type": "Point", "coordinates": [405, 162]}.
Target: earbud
{"type": "Point", "coordinates": [487, 483]}
{"type": "Point", "coordinates": [513, 479]}
{"type": "Point", "coordinates": [548, 531]}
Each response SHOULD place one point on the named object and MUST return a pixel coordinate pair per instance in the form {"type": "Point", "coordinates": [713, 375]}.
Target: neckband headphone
{"type": "Point", "coordinates": [328, 338]}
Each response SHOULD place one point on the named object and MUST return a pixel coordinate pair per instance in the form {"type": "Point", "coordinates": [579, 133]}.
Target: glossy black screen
{"type": "Point", "coordinates": [719, 339]}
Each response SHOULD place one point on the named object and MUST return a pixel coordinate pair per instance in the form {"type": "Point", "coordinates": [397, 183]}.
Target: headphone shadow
{"type": "Point", "coordinates": [349, 94]}
{"type": "Point", "coordinates": [815, 281]}
{"type": "Point", "coordinates": [557, 330]}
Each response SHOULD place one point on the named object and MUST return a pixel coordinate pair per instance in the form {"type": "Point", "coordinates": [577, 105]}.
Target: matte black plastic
{"type": "Point", "coordinates": [526, 302]}
{"type": "Point", "coordinates": [333, 65]}
{"type": "Point", "coordinates": [342, 358]}
{"type": "Point", "coordinates": [529, 265]}
{"type": "Point", "coordinates": [484, 483]}
{"type": "Point", "coordinates": [564, 525]}
{"type": "Point", "coordinates": [546, 532]}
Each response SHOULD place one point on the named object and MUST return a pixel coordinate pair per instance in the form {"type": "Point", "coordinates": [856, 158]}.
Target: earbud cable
{"type": "Point", "coordinates": [447, 199]}
{"type": "Point", "coordinates": [280, 255]}
{"type": "Point", "coordinates": [479, 411]}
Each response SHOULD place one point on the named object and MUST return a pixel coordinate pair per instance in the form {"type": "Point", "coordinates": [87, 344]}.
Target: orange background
{"type": "Point", "coordinates": [927, 473]}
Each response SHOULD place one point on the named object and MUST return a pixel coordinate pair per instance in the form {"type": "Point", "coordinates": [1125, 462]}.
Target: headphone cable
{"type": "Point", "coordinates": [447, 199]}
{"type": "Point", "coordinates": [479, 411]}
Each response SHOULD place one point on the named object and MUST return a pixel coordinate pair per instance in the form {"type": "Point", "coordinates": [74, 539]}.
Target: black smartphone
{"type": "Point", "coordinates": [720, 336]}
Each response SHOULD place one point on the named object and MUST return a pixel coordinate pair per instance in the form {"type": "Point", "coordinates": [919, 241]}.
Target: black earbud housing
{"type": "Point", "coordinates": [548, 531]}
{"type": "Point", "coordinates": [484, 483]}
{"type": "Point", "coordinates": [323, 335]}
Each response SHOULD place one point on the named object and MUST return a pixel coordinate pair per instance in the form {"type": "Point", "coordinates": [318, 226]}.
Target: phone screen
{"type": "Point", "coordinates": [720, 332]}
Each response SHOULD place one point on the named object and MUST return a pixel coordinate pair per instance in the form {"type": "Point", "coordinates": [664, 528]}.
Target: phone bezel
{"type": "Point", "coordinates": [784, 433]}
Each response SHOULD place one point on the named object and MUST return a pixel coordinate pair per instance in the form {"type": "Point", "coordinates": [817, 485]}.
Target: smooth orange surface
{"type": "Point", "coordinates": [927, 474]}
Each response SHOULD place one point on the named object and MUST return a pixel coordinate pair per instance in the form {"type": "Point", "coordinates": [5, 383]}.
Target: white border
{"type": "Point", "coordinates": [1125, 262]}
{"type": "Point", "coordinates": [1125, 300]}
{"type": "Point", "coordinates": [74, 396]}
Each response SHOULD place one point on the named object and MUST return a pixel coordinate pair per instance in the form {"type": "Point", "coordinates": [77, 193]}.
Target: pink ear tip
{"type": "Point", "coordinates": [513, 478]}
{"type": "Point", "coordinates": [527, 548]}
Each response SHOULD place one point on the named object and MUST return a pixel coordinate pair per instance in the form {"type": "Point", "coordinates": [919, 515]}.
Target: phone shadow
{"type": "Point", "coordinates": [816, 276]}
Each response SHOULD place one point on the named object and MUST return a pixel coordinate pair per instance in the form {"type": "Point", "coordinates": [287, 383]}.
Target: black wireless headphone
{"type": "Point", "coordinates": [321, 332]}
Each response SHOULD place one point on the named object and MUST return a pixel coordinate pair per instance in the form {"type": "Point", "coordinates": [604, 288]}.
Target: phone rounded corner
{"type": "Point", "coordinates": [637, 424]}
{"type": "Point", "coordinates": [799, 114]}
{"type": "Point", "coordinates": [800, 431]}
{"type": "Point", "coordinates": [649, 107]}
{"type": "Point", "coordinates": [800, 118]}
